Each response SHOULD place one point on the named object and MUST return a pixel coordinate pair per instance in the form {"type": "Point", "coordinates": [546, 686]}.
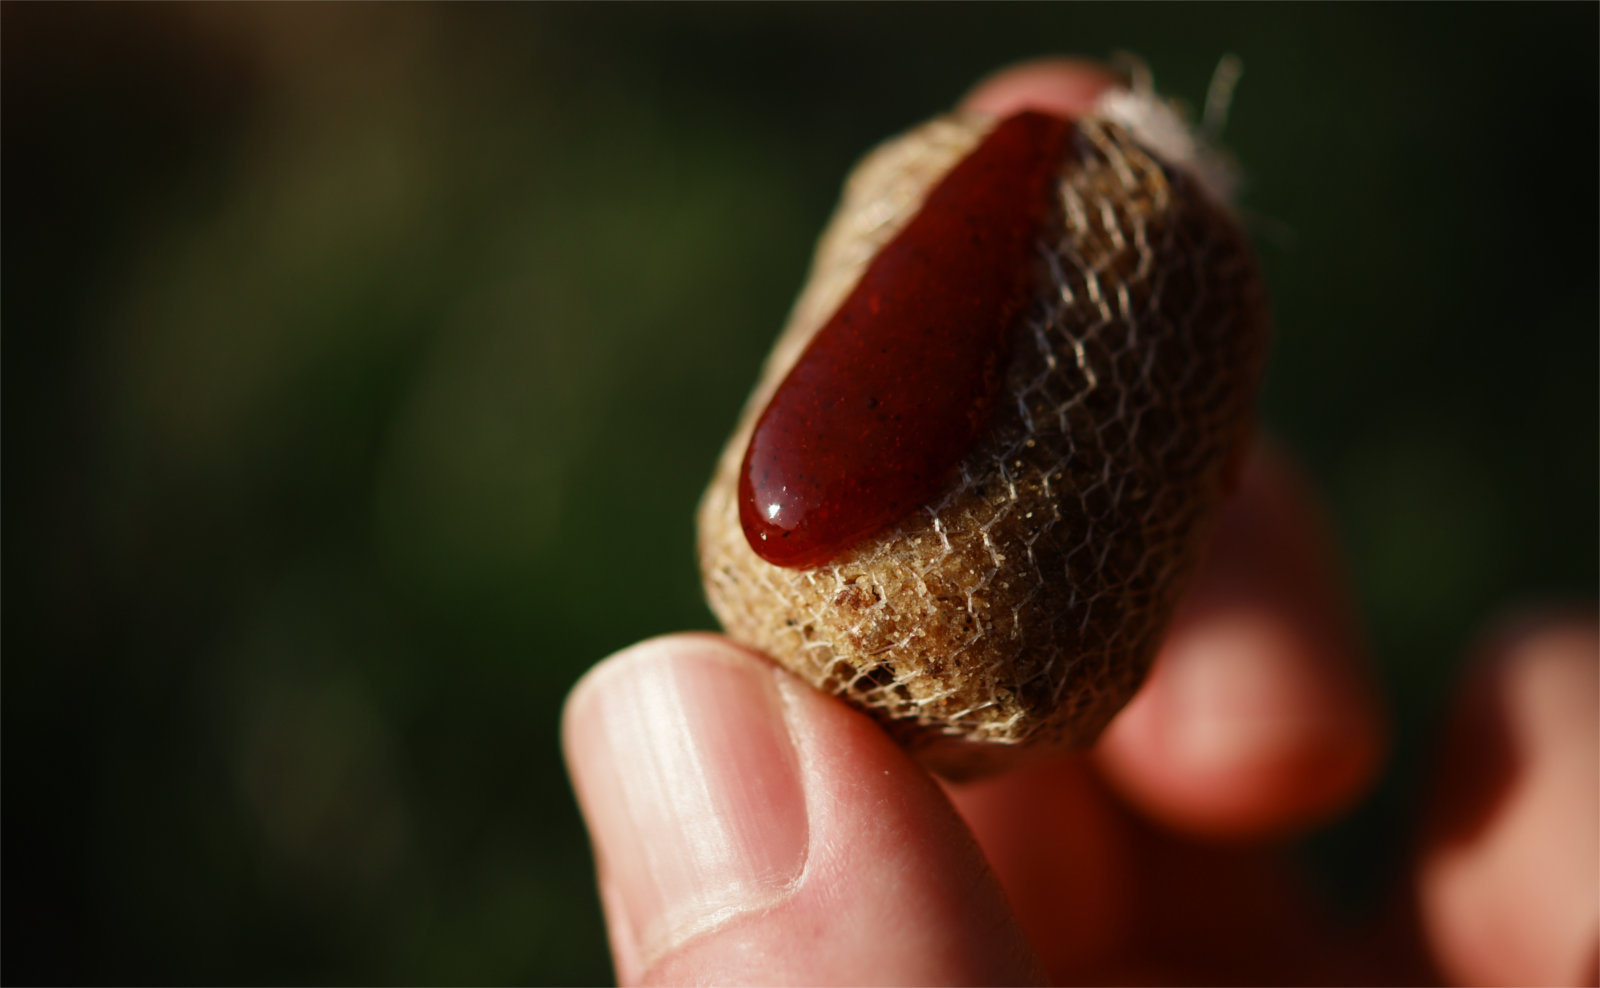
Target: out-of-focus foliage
{"type": "Point", "coordinates": [362, 366]}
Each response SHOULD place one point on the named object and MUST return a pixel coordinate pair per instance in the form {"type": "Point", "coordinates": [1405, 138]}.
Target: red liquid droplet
{"type": "Point", "coordinates": [896, 387]}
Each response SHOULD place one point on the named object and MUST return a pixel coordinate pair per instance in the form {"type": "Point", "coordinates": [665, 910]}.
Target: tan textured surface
{"type": "Point", "coordinates": [1022, 607]}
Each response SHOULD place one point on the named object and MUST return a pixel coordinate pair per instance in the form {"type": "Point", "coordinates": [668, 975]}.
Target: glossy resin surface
{"type": "Point", "coordinates": [896, 387]}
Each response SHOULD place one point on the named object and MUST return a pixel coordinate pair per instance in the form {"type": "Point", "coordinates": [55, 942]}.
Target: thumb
{"type": "Point", "coordinates": [749, 829]}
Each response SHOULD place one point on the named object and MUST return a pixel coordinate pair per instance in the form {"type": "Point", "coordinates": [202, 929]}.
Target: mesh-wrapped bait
{"type": "Point", "coordinates": [1020, 606]}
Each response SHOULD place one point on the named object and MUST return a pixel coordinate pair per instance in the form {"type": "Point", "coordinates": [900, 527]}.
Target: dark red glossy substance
{"type": "Point", "coordinates": [899, 383]}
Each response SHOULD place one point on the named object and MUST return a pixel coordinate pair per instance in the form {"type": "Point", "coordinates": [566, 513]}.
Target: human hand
{"type": "Point", "coordinates": [751, 830]}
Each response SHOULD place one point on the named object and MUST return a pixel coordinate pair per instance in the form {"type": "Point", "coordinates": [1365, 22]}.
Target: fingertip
{"type": "Point", "coordinates": [1068, 86]}
{"type": "Point", "coordinates": [1232, 739]}
{"type": "Point", "coordinates": [895, 890]}
{"type": "Point", "coordinates": [669, 648]}
{"type": "Point", "coordinates": [1259, 716]}
{"type": "Point", "coordinates": [691, 787]}
{"type": "Point", "coordinates": [749, 829]}
{"type": "Point", "coordinates": [1508, 881]}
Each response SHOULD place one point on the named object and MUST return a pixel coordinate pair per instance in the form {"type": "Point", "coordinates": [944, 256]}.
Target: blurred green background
{"type": "Point", "coordinates": [363, 364]}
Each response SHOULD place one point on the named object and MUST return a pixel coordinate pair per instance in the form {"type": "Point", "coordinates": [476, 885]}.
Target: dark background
{"type": "Point", "coordinates": [362, 366]}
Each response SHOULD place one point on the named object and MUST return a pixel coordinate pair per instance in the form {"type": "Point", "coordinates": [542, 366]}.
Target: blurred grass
{"type": "Point", "coordinates": [362, 366]}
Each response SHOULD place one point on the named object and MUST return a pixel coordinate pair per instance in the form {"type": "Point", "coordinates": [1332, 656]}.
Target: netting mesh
{"type": "Point", "coordinates": [1023, 605]}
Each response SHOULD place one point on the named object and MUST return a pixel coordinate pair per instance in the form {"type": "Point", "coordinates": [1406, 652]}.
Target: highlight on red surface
{"type": "Point", "coordinates": [897, 386]}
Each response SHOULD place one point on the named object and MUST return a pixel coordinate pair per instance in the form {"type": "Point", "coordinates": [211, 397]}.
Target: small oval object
{"type": "Point", "coordinates": [1070, 330]}
{"type": "Point", "coordinates": [897, 386]}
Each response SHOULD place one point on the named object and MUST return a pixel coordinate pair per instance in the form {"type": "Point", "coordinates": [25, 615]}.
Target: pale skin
{"type": "Point", "coordinates": [750, 830]}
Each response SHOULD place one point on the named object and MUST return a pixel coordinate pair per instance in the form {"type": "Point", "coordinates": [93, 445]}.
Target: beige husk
{"type": "Point", "coordinates": [1020, 608]}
